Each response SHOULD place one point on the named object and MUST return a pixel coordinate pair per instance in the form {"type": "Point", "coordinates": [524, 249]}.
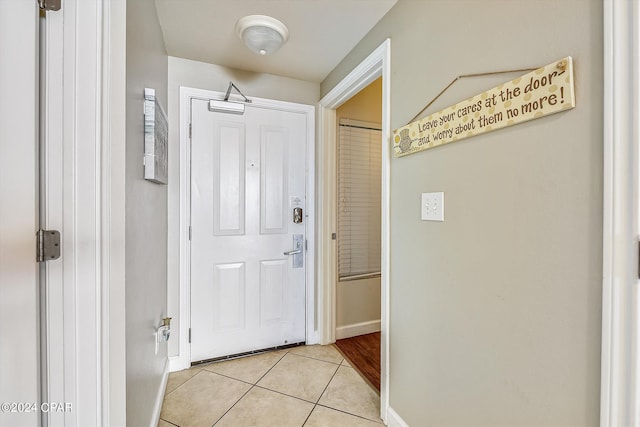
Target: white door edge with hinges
{"type": "Point", "coordinates": [187, 96]}
{"type": "Point", "coordinates": [82, 122]}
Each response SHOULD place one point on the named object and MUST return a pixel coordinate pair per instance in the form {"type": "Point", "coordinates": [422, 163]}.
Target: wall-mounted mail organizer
{"type": "Point", "coordinates": [541, 92]}
{"type": "Point", "coordinates": [156, 138]}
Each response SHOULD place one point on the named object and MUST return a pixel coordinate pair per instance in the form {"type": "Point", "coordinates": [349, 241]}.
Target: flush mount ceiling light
{"type": "Point", "coordinates": [262, 34]}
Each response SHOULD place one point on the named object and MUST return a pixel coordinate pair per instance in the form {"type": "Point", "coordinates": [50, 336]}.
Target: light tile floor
{"type": "Point", "coordinates": [309, 386]}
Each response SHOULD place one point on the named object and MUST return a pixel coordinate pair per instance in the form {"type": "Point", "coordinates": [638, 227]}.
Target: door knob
{"type": "Point", "coordinates": [297, 251]}
{"type": "Point", "coordinates": [293, 252]}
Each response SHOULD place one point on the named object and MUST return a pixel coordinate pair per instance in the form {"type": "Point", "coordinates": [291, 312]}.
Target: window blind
{"type": "Point", "coordinates": [359, 198]}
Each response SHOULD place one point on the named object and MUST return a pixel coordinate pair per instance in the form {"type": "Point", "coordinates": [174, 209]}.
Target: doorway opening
{"type": "Point", "coordinates": [358, 217]}
{"type": "Point", "coordinates": [376, 65]}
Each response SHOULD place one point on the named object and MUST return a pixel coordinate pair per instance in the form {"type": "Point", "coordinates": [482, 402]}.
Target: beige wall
{"type": "Point", "coordinates": [358, 301]}
{"type": "Point", "coordinates": [145, 218]}
{"type": "Point", "coordinates": [366, 105]}
{"type": "Point", "coordinates": [200, 75]}
{"type": "Point", "coordinates": [495, 314]}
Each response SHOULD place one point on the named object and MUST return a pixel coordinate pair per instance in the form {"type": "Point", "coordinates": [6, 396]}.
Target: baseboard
{"type": "Point", "coordinates": [312, 338]}
{"type": "Point", "coordinates": [157, 407]}
{"type": "Point", "coordinates": [394, 420]}
{"type": "Point", "coordinates": [356, 329]}
{"type": "Point", "coordinates": [176, 364]}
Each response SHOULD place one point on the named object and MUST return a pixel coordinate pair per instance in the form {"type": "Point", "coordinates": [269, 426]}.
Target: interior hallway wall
{"type": "Point", "coordinates": [495, 314]}
{"type": "Point", "coordinates": [146, 218]}
{"type": "Point", "coordinates": [200, 75]}
{"type": "Point", "coordinates": [358, 301]}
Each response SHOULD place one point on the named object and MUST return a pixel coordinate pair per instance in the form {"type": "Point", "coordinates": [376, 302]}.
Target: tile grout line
{"type": "Point", "coordinates": [213, 373]}
{"type": "Point", "coordinates": [289, 395]}
{"type": "Point", "coordinates": [175, 389]}
{"type": "Point", "coordinates": [238, 379]}
{"type": "Point", "coordinates": [327, 386]}
{"type": "Point", "coordinates": [321, 360]}
{"type": "Point", "coordinates": [247, 392]}
{"type": "Point", "coordinates": [357, 371]}
{"type": "Point", "coordinates": [271, 368]}
{"type": "Point", "coordinates": [348, 413]}
{"type": "Point", "coordinates": [233, 406]}
{"type": "Point", "coordinates": [231, 378]}
{"type": "Point", "coordinates": [310, 412]}
{"type": "Point", "coordinates": [285, 394]}
{"type": "Point", "coordinates": [169, 422]}
{"type": "Point", "coordinates": [341, 410]}
{"type": "Point", "coordinates": [325, 389]}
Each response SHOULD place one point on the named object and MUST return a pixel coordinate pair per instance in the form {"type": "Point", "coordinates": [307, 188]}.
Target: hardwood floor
{"type": "Point", "coordinates": [363, 353]}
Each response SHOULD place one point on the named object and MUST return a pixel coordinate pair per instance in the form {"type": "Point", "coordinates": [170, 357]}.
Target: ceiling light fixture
{"type": "Point", "coordinates": [262, 34]}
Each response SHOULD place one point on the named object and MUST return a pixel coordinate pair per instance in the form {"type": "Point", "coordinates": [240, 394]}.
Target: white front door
{"type": "Point", "coordinates": [19, 349]}
{"type": "Point", "coordinates": [248, 175]}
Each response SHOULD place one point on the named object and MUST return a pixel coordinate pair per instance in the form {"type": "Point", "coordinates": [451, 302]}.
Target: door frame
{"type": "Point", "coordinates": [84, 129]}
{"type": "Point", "coordinates": [187, 94]}
{"type": "Point", "coordinates": [377, 64]}
{"type": "Point", "coordinates": [620, 387]}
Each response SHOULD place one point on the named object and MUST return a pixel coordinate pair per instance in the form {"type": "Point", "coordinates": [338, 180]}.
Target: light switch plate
{"type": "Point", "coordinates": [433, 206]}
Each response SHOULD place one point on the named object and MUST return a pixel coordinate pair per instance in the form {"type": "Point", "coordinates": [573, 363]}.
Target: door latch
{"type": "Point", "coordinates": [48, 247]}
{"type": "Point", "coordinates": [297, 252]}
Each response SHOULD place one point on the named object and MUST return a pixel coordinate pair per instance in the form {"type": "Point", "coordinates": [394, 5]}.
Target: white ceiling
{"type": "Point", "coordinates": [321, 32]}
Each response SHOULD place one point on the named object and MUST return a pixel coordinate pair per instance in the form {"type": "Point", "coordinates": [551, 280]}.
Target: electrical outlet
{"type": "Point", "coordinates": [433, 206]}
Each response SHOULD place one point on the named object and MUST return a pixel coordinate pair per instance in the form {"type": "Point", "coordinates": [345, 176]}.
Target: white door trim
{"type": "Point", "coordinates": [112, 218]}
{"type": "Point", "coordinates": [620, 387]}
{"type": "Point", "coordinates": [183, 360]}
{"type": "Point", "coordinates": [84, 126]}
{"type": "Point", "coordinates": [377, 64]}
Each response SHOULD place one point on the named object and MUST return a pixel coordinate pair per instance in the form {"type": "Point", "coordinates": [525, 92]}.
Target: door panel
{"type": "Point", "coordinates": [273, 287]}
{"type": "Point", "coordinates": [229, 296]}
{"type": "Point", "coordinates": [228, 160]}
{"type": "Point", "coordinates": [273, 204]}
{"type": "Point", "coordinates": [246, 171]}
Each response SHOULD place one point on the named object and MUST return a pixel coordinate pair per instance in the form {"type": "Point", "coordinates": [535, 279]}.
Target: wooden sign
{"type": "Point", "coordinates": [545, 91]}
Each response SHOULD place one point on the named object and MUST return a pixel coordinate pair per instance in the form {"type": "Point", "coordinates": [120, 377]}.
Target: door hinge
{"type": "Point", "coordinates": [48, 245]}
{"type": "Point", "coordinates": [50, 4]}
{"type": "Point", "coordinates": [189, 335]}
{"type": "Point", "coordinates": [189, 130]}
{"type": "Point", "coordinates": [189, 232]}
